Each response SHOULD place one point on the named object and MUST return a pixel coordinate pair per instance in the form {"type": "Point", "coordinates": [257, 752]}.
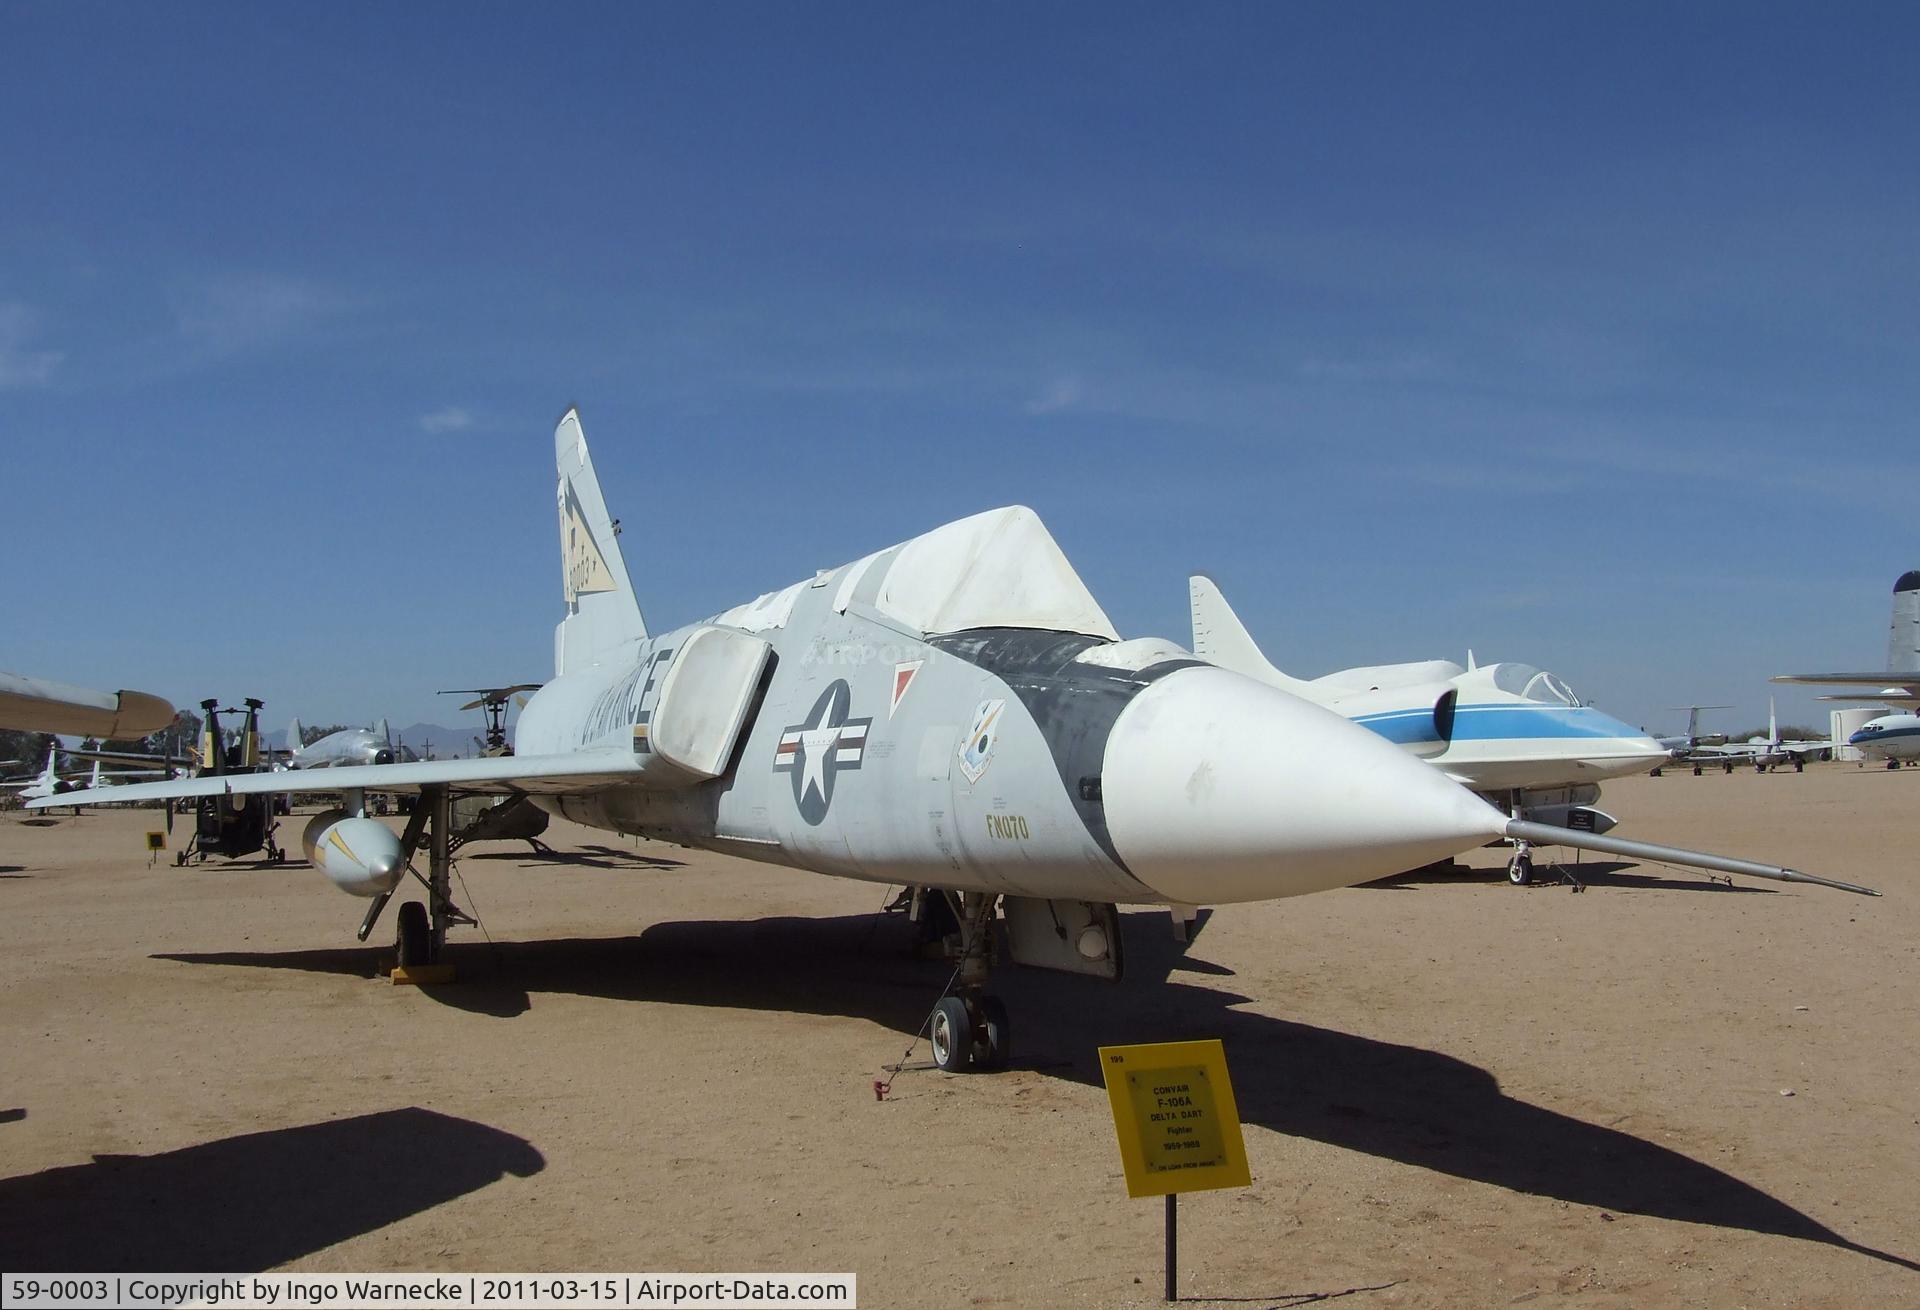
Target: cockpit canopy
{"type": "Point", "coordinates": [1000, 569]}
{"type": "Point", "coordinates": [1534, 684]}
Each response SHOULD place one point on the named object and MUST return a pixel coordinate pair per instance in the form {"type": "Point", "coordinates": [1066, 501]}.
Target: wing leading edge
{"type": "Point", "coordinates": [578, 771]}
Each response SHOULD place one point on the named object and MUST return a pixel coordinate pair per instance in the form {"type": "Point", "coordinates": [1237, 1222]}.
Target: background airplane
{"type": "Point", "coordinates": [1693, 737]}
{"type": "Point", "coordinates": [1762, 753]}
{"type": "Point", "coordinates": [1515, 734]}
{"type": "Point", "coordinates": [98, 780]}
{"type": "Point", "coordinates": [1899, 683]}
{"type": "Point", "coordinates": [348, 746]}
{"type": "Point", "coordinates": [1894, 738]}
{"type": "Point", "coordinates": [955, 713]}
{"type": "Point", "coordinates": [47, 784]}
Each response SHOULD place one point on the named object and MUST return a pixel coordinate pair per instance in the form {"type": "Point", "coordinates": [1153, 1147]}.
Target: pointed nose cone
{"type": "Point", "coordinates": [1221, 789]}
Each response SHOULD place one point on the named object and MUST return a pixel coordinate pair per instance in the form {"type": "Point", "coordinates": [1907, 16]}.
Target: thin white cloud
{"type": "Point", "coordinates": [230, 314]}
{"type": "Point", "coordinates": [21, 366]}
{"type": "Point", "coordinates": [451, 419]}
{"type": "Point", "coordinates": [1062, 393]}
{"type": "Point", "coordinates": [1413, 366]}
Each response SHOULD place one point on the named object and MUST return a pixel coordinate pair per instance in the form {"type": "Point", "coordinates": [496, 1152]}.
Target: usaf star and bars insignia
{"type": "Point", "coordinates": [813, 753]}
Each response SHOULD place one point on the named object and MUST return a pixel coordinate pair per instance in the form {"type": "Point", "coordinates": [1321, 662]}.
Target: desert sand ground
{"type": "Point", "coordinates": [1456, 1092]}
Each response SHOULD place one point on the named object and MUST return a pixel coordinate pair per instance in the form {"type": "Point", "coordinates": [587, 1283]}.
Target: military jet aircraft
{"type": "Point", "coordinates": [1515, 734]}
{"type": "Point", "coordinates": [47, 784]}
{"type": "Point", "coordinates": [955, 713]}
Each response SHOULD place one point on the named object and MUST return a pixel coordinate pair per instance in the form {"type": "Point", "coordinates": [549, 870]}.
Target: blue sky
{"type": "Point", "coordinates": [1586, 336]}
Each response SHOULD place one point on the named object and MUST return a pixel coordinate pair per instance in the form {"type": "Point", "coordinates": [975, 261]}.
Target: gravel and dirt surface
{"type": "Point", "coordinates": [1663, 1091]}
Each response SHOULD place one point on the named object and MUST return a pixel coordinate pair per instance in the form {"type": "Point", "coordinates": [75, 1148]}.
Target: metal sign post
{"type": "Point", "coordinates": [1173, 1246]}
{"type": "Point", "coordinates": [1178, 1126]}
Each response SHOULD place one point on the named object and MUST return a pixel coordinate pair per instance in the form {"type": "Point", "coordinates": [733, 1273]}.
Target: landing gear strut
{"type": "Point", "coordinates": [420, 930]}
{"type": "Point", "coordinates": [970, 1029]}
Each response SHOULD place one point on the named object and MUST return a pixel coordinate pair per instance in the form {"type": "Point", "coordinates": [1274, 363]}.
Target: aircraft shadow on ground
{"type": "Point", "coordinates": [252, 1202]}
{"type": "Point", "coordinates": [591, 857]}
{"type": "Point", "coordinates": [1546, 876]}
{"type": "Point", "coordinates": [1395, 1102]}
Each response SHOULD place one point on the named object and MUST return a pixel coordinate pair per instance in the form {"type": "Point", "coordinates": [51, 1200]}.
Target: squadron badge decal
{"type": "Point", "coordinates": [976, 752]}
{"type": "Point", "coordinates": [814, 752]}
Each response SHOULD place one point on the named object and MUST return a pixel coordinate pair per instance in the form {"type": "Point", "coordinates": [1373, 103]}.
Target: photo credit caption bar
{"type": "Point", "coordinates": [632, 1291]}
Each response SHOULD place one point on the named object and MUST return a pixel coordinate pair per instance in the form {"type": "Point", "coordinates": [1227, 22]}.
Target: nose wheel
{"type": "Point", "coordinates": [1520, 867]}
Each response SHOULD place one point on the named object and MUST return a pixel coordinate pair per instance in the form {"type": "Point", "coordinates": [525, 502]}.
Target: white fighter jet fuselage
{"type": "Point", "coordinates": [994, 757]}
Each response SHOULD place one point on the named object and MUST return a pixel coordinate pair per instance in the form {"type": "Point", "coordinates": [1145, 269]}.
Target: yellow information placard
{"type": "Point", "coordinates": [1174, 1113]}
{"type": "Point", "coordinates": [156, 841]}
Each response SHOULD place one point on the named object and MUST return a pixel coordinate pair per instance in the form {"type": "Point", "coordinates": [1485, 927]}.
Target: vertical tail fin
{"type": "Point", "coordinates": [295, 736]}
{"type": "Point", "coordinates": [601, 610]}
{"type": "Point", "coordinates": [1220, 638]}
{"type": "Point", "coordinates": [1693, 724]}
{"type": "Point", "coordinates": [1903, 642]}
{"type": "Point", "coordinates": [1773, 724]}
{"type": "Point", "coordinates": [386, 733]}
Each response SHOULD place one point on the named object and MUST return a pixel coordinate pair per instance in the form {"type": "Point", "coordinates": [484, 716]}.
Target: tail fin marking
{"type": "Point", "coordinates": [602, 612]}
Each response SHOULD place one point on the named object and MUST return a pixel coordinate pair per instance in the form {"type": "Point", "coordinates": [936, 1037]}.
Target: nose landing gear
{"type": "Point", "coordinates": [970, 1030]}
{"type": "Point", "coordinates": [969, 1036]}
{"type": "Point", "coordinates": [1520, 867]}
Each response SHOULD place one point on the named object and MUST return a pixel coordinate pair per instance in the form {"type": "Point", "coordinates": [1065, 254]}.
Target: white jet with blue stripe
{"type": "Point", "coordinates": [1512, 732]}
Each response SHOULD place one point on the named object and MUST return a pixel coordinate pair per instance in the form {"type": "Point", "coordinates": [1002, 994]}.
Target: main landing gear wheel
{"type": "Point", "coordinates": [1696, 770]}
{"type": "Point", "coordinates": [971, 1036]}
{"type": "Point", "coordinates": [1520, 869]}
{"type": "Point", "coordinates": [412, 937]}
